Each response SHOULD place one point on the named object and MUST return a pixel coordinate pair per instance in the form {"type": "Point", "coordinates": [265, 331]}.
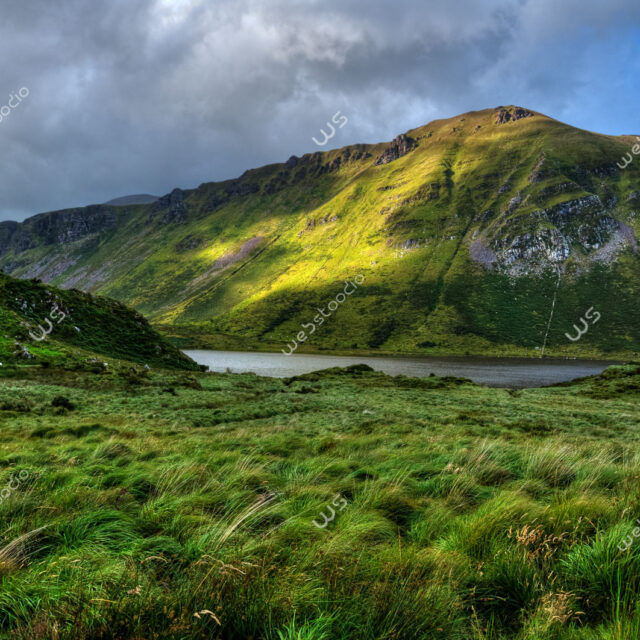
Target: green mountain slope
{"type": "Point", "coordinates": [491, 232]}
{"type": "Point", "coordinates": [39, 323]}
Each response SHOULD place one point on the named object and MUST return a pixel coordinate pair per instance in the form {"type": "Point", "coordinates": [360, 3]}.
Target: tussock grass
{"type": "Point", "coordinates": [140, 511]}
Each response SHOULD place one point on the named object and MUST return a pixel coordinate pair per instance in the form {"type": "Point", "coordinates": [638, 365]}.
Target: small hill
{"type": "Point", "coordinates": [42, 323]}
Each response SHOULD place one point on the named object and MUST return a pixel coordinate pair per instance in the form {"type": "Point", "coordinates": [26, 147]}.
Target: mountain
{"type": "Point", "coordinates": [40, 323]}
{"type": "Point", "coordinates": [141, 198]}
{"type": "Point", "coordinates": [494, 232]}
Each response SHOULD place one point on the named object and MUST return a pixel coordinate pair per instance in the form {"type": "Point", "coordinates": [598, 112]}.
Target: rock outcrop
{"type": "Point", "coordinates": [581, 228]}
{"type": "Point", "coordinates": [174, 206]}
{"type": "Point", "coordinates": [402, 145]}
{"type": "Point", "coordinates": [58, 227]}
{"type": "Point", "coordinates": [511, 114]}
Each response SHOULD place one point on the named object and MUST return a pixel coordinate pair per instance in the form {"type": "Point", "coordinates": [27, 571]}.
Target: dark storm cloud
{"type": "Point", "coordinates": [128, 97]}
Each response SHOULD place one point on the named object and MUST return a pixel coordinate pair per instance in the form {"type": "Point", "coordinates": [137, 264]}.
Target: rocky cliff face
{"type": "Point", "coordinates": [398, 148]}
{"type": "Point", "coordinates": [173, 207]}
{"type": "Point", "coordinates": [583, 230]}
{"type": "Point", "coordinates": [511, 114]}
{"type": "Point", "coordinates": [55, 228]}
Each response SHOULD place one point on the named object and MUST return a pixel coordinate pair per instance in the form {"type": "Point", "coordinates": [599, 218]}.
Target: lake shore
{"type": "Point", "coordinates": [493, 372]}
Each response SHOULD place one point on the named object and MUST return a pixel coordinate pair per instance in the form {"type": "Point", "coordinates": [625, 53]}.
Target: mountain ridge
{"type": "Point", "coordinates": [478, 201]}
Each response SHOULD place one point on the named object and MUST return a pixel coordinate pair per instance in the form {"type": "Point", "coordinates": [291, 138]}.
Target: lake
{"type": "Point", "coordinates": [494, 372]}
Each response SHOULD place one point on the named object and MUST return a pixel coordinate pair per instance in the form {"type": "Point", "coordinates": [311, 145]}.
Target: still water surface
{"type": "Point", "coordinates": [495, 372]}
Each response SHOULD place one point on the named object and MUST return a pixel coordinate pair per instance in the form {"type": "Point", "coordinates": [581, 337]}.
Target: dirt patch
{"type": "Point", "coordinates": [227, 260]}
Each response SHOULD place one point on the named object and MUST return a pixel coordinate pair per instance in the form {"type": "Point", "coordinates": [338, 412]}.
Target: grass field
{"type": "Point", "coordinates": [149, 504]}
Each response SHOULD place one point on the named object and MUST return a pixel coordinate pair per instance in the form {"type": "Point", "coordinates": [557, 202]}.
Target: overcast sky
{"type": "Point", "coordinates": [141, 96]}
